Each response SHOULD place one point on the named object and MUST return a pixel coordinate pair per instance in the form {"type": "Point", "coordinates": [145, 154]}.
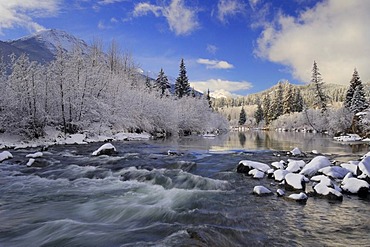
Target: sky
{"type": "Point", "coordinates": [234, 47]}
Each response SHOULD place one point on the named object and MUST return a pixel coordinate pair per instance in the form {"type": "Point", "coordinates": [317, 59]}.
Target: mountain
{"type": "Point", "coordinates": [41, 46]}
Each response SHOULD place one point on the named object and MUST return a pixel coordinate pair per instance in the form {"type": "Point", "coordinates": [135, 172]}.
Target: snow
{"type": "Point", "coordinates": [334, 171]}
{"type": "Point", "coordinates": [322, 179]}
{"type": "Point", "coordinates": [75, 139]}
{"type": "Point", "coordinates": [351, 166]}
{"type": "Point", "coordinates": [295, 180]}
{"type": "Point", "coordinates": [108, 147]}
{"type": "Point", "coordinates": [278, 164]}
{"type": "Point", "coordinates": [314, 165]}
{"type": "Point", "coordinates": [365, 155]}
{"type": "Point", "coordinates": [261, 190]}
{"type": "Point", "coordinates": [256, 173]}
{"type": "Point", "coordinates": [255, 165]}
{"type": "Point", "coordinates": [30, 162]}
{"type": "Point", "coordinates": [35, 155]}
{"type": "Point", "coordinates": [209, 135]}
{"type": "Point", "coordinates": [364, 167]}
{"type": "Point", "coordinates": [5, 155]}
{"type": "Point", "coordinates": [280, 174]}
{"type": "Point", "coordinates": [298, 197]}
{"type": "Point", "coordinates": [315, 151]}
{"type": "Point", "coordinates": [353, 185]}
{"type": "Point", "coordinates": [323, 189]}
{"type": "Point", "coordinates": [348, 138]}
{"type": "Point", "coordinates": [296, 151]}
{"type": "Point", "coordinates": [280, 192]}
{"type": "Point", "coordinates": [295, 165]}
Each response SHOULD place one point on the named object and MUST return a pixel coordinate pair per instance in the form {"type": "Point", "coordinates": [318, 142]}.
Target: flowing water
{"type": "Point", "coordinates": [143, 197]}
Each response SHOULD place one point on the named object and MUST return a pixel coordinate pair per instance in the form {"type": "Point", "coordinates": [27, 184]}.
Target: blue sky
{"type": "Point", "coordinates": [231, 46]}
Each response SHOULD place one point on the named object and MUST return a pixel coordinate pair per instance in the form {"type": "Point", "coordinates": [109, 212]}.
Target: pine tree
{"type": "Point", "coordinates": [258, 115]}
{"type": "Point", "coordinates": [355, 97]}
{"type": "Point", "coordinates": [276, 107]}
{"type": "Point", "coordinates": [298, 101]}
{"type": "Point", "coordinates": [242, 117]}
{"type": "Point", "coordinates": [320, 101]}
{"type": "Point", "coordinates": [288, 99]}
{"type": "Point", "coordinates": [161, 83]}
{"type": "Point", "coordinates": [266, 108]}
{"type": "Point", "coordinates": [182, 86]}
{"type": "Point", "coordinates": [208, 97]}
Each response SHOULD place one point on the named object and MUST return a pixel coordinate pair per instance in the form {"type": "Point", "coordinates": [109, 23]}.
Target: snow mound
{"type": "Point", "coordinates": [256, 173]}
{"type": "Point", "coordinates": [261, 190]}
{"type": "Point", "coordinates": [314, 165]}
{"type": "Point", "coordinates": [246, 165]}
{"type": "Point", "coordinates": [76, 139]}
{"type": "Point", "coordinates": [279, 175]}
{"type": "Point", "coordinates": [364, 167]}
{"type": "Point", "coordinates": [295, 181]}
{"type": "Point", "coordinates": [296, 151]}
{"type": "Point", "coordinates": [301, 197]}
{"type": "Point", "coordinates": [35, 155]}
{"type": "Point", "coordinates": [30, 162]}
{"type": "Point", "coordinates": [295, 165]}
{"type": "Point", "coordinates": [334, 171]}
{"type": "Point", "coordinates": [351, 166]}
{"type": "Point", "coordinates": [354, 185]}
{"type": "Point", "coordinates": [5, 155]}
{"type": "Point", "coordinates": [278, 164]}
{"type": "Point", "coordinates": [280, 192]}
{"type": "Point", "coordinates": [107, 149]}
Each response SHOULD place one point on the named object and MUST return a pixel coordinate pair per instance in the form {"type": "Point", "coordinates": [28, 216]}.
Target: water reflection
{"type": "Point", "coordinates": [272, 140]}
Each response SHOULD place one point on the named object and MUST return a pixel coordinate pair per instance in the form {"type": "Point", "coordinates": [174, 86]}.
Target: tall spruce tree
{"type": "Point", "coordinates": [288, 99]}
{"type": "Point", "coordinates": [266, 103]}
{"type": "Point", "coordinates": [298, 101]}
{"type": "Point", "coordinates": [242, 117]}
{"type": "Point", "coordinates": [258, 115]}
{"type": "Point", "coordinates": [208, 97]}
{"type": "Point", "coordinates": [182, 86]}
{"type": "Point", "coordinates": [355, 96]}
{"type": "Point", "coordinates": [276, 107]}
{"type": "Point", "coordinates": [320, 101]}
{"type": "Point", "coordinates": [162, 83]}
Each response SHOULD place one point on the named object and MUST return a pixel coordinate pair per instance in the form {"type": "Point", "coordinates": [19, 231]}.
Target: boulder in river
{"type": "Point", "coordinates": [301, 197]}
{"type": "Point", "coordinates": [106, 149]}
{"type": "Point", "coordinates": [295, 181]}
{"type": "Point", "coordinates": [5, 155]}
{"type": "Point", "coordinates": [246, 165]}
{"type": "Point", "coordinates": [314, 165]}
{"type": "Point", "coordinates": [355, 186]}
{"type": "Point", "coordinates": [261, 190]}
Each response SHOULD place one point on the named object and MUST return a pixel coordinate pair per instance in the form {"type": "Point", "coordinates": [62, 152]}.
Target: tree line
{"type": "Point", "coordinates": [97, 92]}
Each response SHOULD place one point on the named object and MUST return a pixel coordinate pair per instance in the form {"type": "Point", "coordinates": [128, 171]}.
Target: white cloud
{"type": "Point", "coordinates": [335, 33]}
{"type": "Point", "coordinates": [181, 19]}
{"type": "Point", "coordinates": [218, 84]}
{"type": "Point", "coordinates": [221, 93]}
{"type": "Point", "coordinates": [212, 49]}
{"type": "Point", "coordinates": [20, 13]}
{"type": "Point", "coordinates": [105, 2]}
{"type": "Point", "coordinates": [228, 8]}
{"type": "Point", "coordinates": [215, 64]}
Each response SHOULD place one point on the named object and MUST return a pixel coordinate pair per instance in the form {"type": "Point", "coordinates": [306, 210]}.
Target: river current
{"type": "Point", "coordinates": [144, 197]}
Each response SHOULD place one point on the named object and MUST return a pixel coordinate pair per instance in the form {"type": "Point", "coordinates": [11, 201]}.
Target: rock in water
{"type": "Point", "coordinates": [261, 190]}
{"type": "Point", "coordinates": [106, 149]}
{"type": "Point", "coordinates": [314, 165]}
{"type": "Point", "coordinates": [246, 165]}
{"type": "Point", "coordinates": [301, 197]}
{"type": "Point", "coordinates": [295, 181]}
{"type": "Point", "coordinates": [5, 155]}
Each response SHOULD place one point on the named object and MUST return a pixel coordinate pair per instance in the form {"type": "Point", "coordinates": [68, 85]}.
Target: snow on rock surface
{"type": "Point", "coordinates": [295, 165]}
{"type": "Point", "coordinates": [278, 164]}
{"type": "Point", "coordinates": [364, 167]}
{"type": "Point", "coordinates": [280, 192]}
{"type": "Point", "coordinates": [296, 151]}
{"type": "Point", "coordinates": [301, 197]}
{"type": "Point", "coordinates": [261, 190]}
{"type": "Point", "coordinates": [326, 188]}
{"type": "Point", "coordinates": [30, 162]}
{"type": "Point", "coordinates": [256, 173]}
{"type": "Point", "coordinates": [351, 166]}
{"type": "Point", "coordinates": [354, 185]}
{"type": "Point", "coordinates": [75, 139]}
{"type": "Point", "coordinates": [295, 181]}
{"type": "Point", "coordinates": [35, 155]}
{"type": "Point", "coordinates": [314, 165]}
{"type": "Point", "coordinates": [246, 165]}
{"type": "Point", "coordinates": [279, 175]}
{"type": "Point", "coordinates": [106, 149]}
{"type": "Point", "coordinates": [334, 171]}
{"type": "Point", "coordinates": [5, 155]}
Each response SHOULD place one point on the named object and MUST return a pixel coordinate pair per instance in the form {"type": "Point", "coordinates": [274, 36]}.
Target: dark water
{"type": "Point", "coordinates": [143, 197]}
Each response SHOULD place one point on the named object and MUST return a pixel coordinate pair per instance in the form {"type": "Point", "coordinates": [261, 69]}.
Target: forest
{"type": "Point", "coordinates": [98, 92]}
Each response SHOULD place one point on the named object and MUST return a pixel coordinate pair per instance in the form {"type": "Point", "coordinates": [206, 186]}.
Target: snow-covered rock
{"type": "Point", "coordinates": [278, 164]}
{"type": "Point", "coordinates": [351, 166]}
{"type": "Point", "coordinates": [256, 173]}
{"type": "Point", "coordinates": [348, 138]}
{"type": "Point", "coordinates": [4, 155]}
{"type": "Point", "coordinates": [261, 190]}
{"type": "Point", "coordinates": [246, 165]}
{"type": "Point", "coordinates": [76, 139]}
{"type": "Point", "coordinates": [326, 188]}
{"type": "Point", "coordinates": [334, 171]}
{"type": "Point", "coordinates": [35, 155]}
{"type": "Point", "coordinates": [296, 151]}
{"type": "Point", "coordinates": [364, 169]}
{"type": "Point", "coordinates": [107, 149]}
{"type": "Point", "coordinates": [365, 155]}
{"type": "Point", "coordinates": [314, 165]}
{"type": "Point", "coordinates": [295, 165]}
{"type": "Point", "coordinates": [279, 175]}
{"type": "Point", "coordinates": [315, 151]}
{"type": "Point", "coordinates": [30, 162]}
{"type": "Point", "coordinates": [295, 181]}
{"type": "Point", "coordinates": [354, 185]}
{"type": "Point", "coordinates": [301, 197]}
{"type": "Point", "coordinates": [280, 192]}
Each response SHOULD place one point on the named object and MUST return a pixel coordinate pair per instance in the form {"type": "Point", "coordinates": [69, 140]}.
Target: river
{"type": "Point", "coordinates": [143, 197]}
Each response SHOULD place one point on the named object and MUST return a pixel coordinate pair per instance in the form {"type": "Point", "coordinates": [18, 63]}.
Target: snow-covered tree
{"type": "Point", "coordinates": [298, 100]}
{"type": "Point", "coordinates": [355, 96]}
{"type": "Point", "coordinates": [182, 86]}
{"type": "Point", "coordinates": [288, 99]}
{"type": "Point", "coordinates": [258, 115]}
{"type": "Point", "coordinates": [208, 98]}
{"type": "Point", "coordinates": [320, 100]}
{"type": "Point", "coordinates": [266, 103]}
{"type": "Point", "coordinates": [162, 83]}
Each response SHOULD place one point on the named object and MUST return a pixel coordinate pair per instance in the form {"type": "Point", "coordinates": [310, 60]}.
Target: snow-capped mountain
{"type": "Point", "coordinates": [42, 46]}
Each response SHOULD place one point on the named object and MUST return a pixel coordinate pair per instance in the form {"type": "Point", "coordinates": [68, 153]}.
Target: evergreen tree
{"type": "Point", "coordinates": [320, 101]}
{"type": "Point", "coordinates": [148, 83]}
{"type": "Point", "coordinates": [276, 107]}
{"type": "Point", "coordinates": [182, 86]}
{"type": "Point", "coordinates": [209, 99]}
{"type": "Point", "coordinates": [242, 117]}
{"type": "Point", "coordinates": [288, 99]}
{"type": "Point", "coordinates": [355, 97]}
{"type": "Point", "coordinates": [266, 108]}
{"type": "Point", "coordinates": [161, 83]}
{"type": "Point", "coordinates": [258, 115]}
{"type": "Point", "coordinates": [298, 101]}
